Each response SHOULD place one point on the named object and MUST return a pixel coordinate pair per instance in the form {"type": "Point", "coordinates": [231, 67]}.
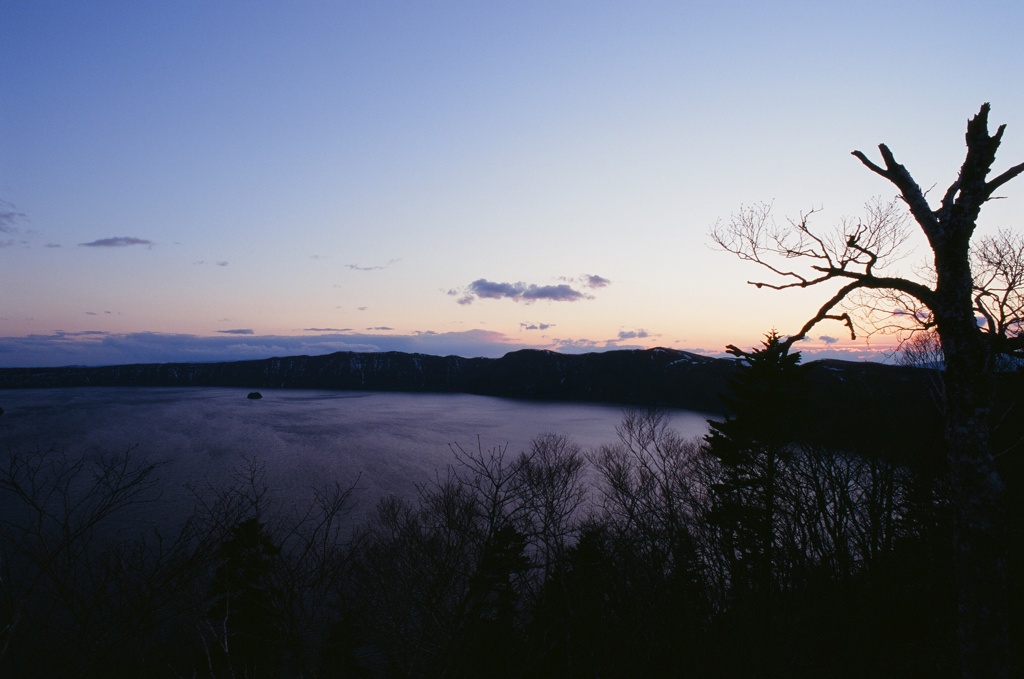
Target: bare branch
{"type": "Point", "coordinates": [852, 254]}
{"type": "Point", "coordinates": [998, 267]}
{"type": "Point", "coordinates": [825, 313]}
{"type": "Point", "coordinates": [994, 184]}
{"type": "Point", "coordinates": [912, 194]}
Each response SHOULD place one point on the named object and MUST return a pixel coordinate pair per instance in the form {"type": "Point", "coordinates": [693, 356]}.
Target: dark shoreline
{"type": "Point", "coordinates": [651, 377]}
{"type": "Point", "coordinates": [843, 398]}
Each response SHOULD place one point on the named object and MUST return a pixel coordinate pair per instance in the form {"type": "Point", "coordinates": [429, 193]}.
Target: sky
{"type": "Point", "coordinates": [204, 181]}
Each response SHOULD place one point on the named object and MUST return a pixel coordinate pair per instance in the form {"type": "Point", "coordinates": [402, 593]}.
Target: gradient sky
{"type": "Point", "coordinates": [219, 180]}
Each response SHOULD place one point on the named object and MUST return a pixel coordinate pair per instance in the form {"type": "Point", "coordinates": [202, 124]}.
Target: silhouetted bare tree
{"type": "Point", "coordinates": [921, 350]}
{"type": "Point", "coordinates": [52, 507]}
{"type": "Point", "coordinates": [950, 298]}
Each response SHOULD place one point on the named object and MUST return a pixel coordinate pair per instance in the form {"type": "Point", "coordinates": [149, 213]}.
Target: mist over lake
{"type": "Point", "coordinates": [384, 442]}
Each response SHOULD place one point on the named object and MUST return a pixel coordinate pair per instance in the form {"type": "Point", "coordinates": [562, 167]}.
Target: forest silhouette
{"type": "Point", "coordinates": [760, 550]}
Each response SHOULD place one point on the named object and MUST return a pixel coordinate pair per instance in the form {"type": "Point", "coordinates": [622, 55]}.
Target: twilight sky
{"type": "Point", "coordinates": [223, 180]}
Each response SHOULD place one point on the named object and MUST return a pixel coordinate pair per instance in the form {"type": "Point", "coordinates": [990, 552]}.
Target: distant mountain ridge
{"type": "Point", "coordinates": [864, 402]}
{"type": "Point", "coordinates": [653, 376]}
{"type": "Point", "coordinates": [648, 377]}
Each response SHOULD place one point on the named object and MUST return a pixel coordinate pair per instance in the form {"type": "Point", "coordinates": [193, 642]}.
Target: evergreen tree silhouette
{"type": "Point", "coordinates": [750, 445]}
{"type": "Point", "coordinates": [246, 609]}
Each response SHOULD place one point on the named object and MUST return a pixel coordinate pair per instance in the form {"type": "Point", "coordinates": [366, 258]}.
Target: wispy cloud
{"type": "Point", "coordinates": [632, 334]}
{"type": "Point", "coordinates": [237, 331]}
{"type": "Point", "coordinates": [9, 216]}
{"type": "Point", "coordinates": [222, 263]}
{"type": "Point", "coordinates": [357, 267]}
{"type": "Point", "coordinates": [828, 339]}
{"type": "Point", "coordinates": [588, 280]}
{"type": "Point", "coordinates": [571, 345]}
{"type": "Point", "coordinates": [116, 242]}
{"type": "Point", "coordinates": [518, 292]}
{"type": "Point", "coordinates": [94, 347]}
{"type": "Point", "coordinates": [536, 326]}
{"type": "Point", "coordinates": [61, 334]}
{"type": "Point", "coordinates": [575, 346]}
{"type": "Point", "coordinates": [326, 329]}
{"type": "Point", "coordinates": [98, 347]}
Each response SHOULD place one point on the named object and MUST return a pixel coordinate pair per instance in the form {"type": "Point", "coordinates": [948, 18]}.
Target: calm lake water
{"type": "Point", "coordinates": [383, 442]}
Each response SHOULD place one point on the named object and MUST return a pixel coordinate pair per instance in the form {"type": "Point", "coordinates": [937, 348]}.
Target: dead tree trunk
{"type": "Point", "coordinates": [950, 305]}
{"type": "Point", "coordinates": [980, 557]}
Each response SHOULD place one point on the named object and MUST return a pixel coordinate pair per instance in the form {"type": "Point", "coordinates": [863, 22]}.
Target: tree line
{"type": "Point", "coordinates": [749, 552]}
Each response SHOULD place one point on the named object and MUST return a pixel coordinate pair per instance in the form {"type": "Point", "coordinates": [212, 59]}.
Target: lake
{"type": "Point", "coordinates": [385, 442]}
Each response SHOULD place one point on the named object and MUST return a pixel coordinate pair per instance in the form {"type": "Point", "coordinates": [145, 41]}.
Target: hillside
{"type": "Point", "coordinates": [844, 397]}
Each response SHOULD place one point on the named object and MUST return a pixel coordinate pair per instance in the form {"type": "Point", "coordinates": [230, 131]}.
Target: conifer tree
{"type": "Point", "coordinates": [750, 445]}
{"type": "Point", "coordinates": [246, 608]}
